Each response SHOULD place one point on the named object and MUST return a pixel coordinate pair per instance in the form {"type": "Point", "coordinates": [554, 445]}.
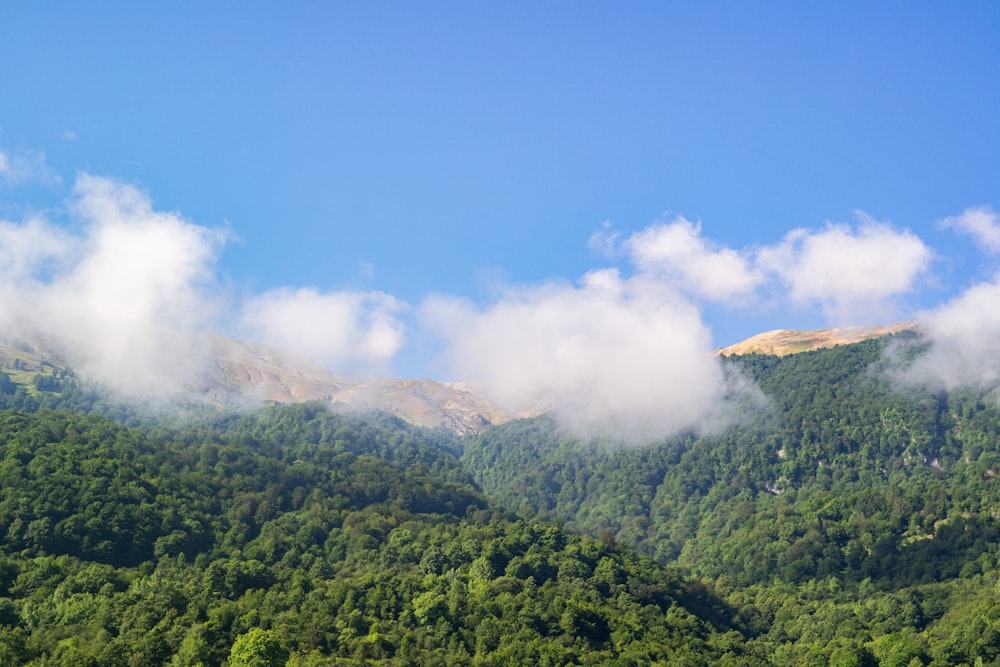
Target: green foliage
{"type": "Point", "coordinates": [258, 648]}
{"type": "Point", "coordinates": [298, 536]}
{"type": "Point", "coordinates": [849, 491]}
{"type": "Point", "coordinates": [851, 523]}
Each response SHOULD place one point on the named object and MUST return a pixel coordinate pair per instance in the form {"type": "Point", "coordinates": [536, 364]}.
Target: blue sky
{"type": "Point", "coordinates": [400, 162]}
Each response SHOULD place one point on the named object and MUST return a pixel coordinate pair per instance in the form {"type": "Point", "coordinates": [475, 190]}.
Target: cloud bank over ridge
{"type": "Point", "coordinates": [126, 299]}
{"type": "Point", "coordinates": [610, 355]}
{"type": "Point", "coordinates": [347, 331]}
{"type": "Point", "coordinates": [131, 296]}
{"type": "Point", "coordinates": [631, 355]}
{"type": "Point", "coordinates": [964, 332]}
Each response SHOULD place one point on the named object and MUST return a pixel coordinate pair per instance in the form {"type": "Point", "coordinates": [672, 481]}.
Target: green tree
{"type": "Point", "coordinates": [258, 648]}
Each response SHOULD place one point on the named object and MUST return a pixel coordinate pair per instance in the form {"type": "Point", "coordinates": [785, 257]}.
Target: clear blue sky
{"type": "Point", "coordinates": [418, 148]}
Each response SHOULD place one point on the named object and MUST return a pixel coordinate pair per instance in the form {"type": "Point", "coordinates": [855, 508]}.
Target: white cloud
{"type": "Point", "coordinates": [678, 253]}
{"type": "Point", "coordinates": [854, 274]}
{"type": "Point", "coordinates": [134, 309]}
{"type": "Point", "coordinates": [131, 299]}
{"type": "Point", "coordinates": [21, 167]}
{"type": "Point", "coordinates": [27, 248]}
{"type": "Point", "coordinates": [617, 357]}
{"type": "Point", "coordinates": [965, 340]}
{"type": "Point", "coordinates": [127, 302]}
{"type": "Point", "coordinates": [345, 331]}
{"type": "Point", "coordinates": [982, 223]}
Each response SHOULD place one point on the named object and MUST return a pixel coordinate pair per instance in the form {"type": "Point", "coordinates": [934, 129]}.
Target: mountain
{"type": "Point", "coordinates": [861, 519]}
{"type": "Point", "coordinates": [785, 341]}
{"type": "Point", "coordinates": [248, 374]}
{"type": "Point", "coordinates": [244, 369]}
{"type": "Point", "coordinates": [295, 536]}
{"type": "Point", "coordinates": [846, 520]}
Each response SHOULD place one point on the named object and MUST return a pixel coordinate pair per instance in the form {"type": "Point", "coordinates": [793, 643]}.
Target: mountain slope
{"type": "Point", "coordinates": [313, 539]}
{"type": "Point", "coordinates": [250, 369]}
{"type": "Point", "coordinates": [861, 519]}
{"type": "Point", "coordinates": [786, 341]}
{"type": "Point", "coordinates": [245, 374]}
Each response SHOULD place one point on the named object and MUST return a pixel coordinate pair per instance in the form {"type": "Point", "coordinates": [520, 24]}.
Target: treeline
{"type": "Point", "coordinates": [302, 537]}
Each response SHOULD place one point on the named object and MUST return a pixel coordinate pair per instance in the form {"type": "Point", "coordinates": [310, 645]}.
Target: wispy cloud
{"type": "Point", "coordinates": [982, 223]}
{"type": "Point", "coordinates": [353, 332]}
{"type": "Point", "coordinates": [21, 167]}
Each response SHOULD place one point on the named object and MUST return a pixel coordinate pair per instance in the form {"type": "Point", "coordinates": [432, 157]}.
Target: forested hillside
{"type": "Point", "coordinates": [858, 520]}
{"type": "Point", "coordinates": [850, 521]}
{"type": "Point", "coordinates": [296, 535]}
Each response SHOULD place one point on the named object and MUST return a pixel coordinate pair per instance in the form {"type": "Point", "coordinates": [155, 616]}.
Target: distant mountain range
{"type": "Point", "coordinates": [245, 373]}
{"type": "Point", "coordinates": [245, 369]}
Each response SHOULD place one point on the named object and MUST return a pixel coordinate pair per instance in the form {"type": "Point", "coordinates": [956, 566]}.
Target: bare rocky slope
{"type": "Point", "coordinates": [785, 341]}
{"type": "Point", "coordinates": [245, 370]}
{"type": "Point", "coordinates": [246, 374]}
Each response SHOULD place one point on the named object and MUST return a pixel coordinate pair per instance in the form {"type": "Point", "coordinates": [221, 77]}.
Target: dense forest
{"type": "Point", "coordinates": [849, 521]}
{"type": "Point", "coordinates": [302, 537]}
{"type": "Point", "coordinates": [854, 521]}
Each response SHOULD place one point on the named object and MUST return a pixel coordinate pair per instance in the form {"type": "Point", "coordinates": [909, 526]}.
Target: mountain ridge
{"type": "Point", "coordinates": [247, 374]}
{"type": "Point", "coordinates": [781, 342]}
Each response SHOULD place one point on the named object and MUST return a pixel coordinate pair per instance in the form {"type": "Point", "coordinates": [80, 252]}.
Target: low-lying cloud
{"type": "Point", "coordinates": [961, 337]}
{"type": "Point", "coordinates": [127, 302]}
{"type": "Point", "coordinates": [612, 356]}
{"type": "Point", "coordinates": [130, 296]}
{"type": "Point", "coordinates": [964, 333]}
{"type": "Point", "coordinates": [353, 332]}
{"type": "Point", "coordinates": [964, 337]}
